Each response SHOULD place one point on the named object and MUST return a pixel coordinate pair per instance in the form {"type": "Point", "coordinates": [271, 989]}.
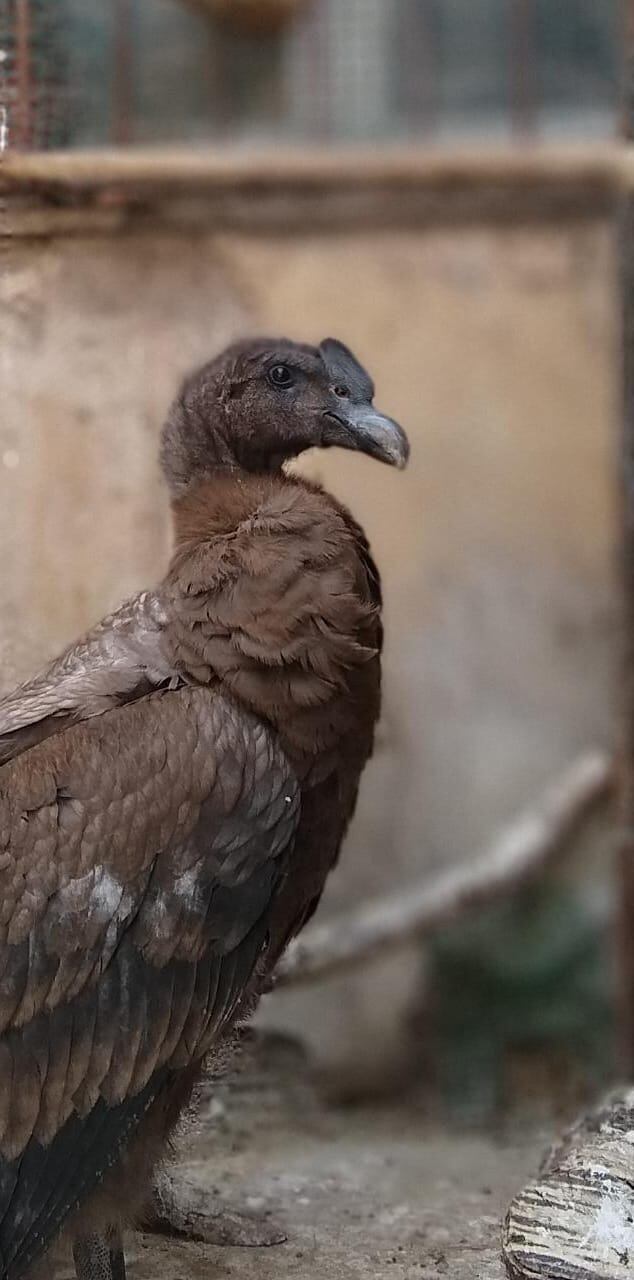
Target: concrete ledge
{"type": "Point", "coordinates": [287, 189]}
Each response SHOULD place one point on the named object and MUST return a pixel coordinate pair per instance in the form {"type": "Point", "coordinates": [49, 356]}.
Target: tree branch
{"type": "Point", "coordinates": [518, 855]}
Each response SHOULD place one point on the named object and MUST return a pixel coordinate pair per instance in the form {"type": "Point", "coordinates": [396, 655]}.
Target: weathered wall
{"type": "Point", "coordinates": [495, 348]}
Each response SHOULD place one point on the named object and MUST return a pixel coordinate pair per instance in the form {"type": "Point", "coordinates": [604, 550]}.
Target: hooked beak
{"type": "Point", "coordinates": [361, 427]}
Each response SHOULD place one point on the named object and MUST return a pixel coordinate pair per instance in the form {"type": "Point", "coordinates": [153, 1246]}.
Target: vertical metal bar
{"type": "Point", "coordinates": [307, 73]}
{"type": "Point", "coordinates": [4, 105]}
{"type": "Point", "coordinates": [218, 78]}
{"type": "Point", "coordinates": [416, 62]}
{"type": "Point", "coordinates": [23, 121]}
{"type": "Point", "coordinates": [430, 62]}
{"type": "Point", "coordinates": [123, 73]}
{"type": "Point", "coordinates": [627, 71]}
{"type": "Point", "coordinates": [626, 277]}
{"type": "Point", "coordinates": [322, 70]}
{"type": "Point", "coordinates": [523, 70]}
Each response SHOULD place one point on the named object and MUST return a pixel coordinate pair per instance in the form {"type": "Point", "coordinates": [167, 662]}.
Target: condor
{"type": "Point", "coordinates": [174, 790]}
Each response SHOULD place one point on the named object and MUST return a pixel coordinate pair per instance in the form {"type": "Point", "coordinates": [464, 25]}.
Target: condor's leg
{"type": "Point", "coordinates": [99, 1257]}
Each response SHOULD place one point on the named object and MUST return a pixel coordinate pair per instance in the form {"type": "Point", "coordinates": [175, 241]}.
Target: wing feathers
{"type": "Point", "coordinates": [48, 1183]}
{"type": "Point", "coordinates": [140, 853]}
{"type": "Point", "coordinates": [120, 659]}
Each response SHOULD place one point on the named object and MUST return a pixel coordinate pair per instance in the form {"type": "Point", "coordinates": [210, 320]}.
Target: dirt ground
{"type": "Point", "coordinates": [376, 1191]}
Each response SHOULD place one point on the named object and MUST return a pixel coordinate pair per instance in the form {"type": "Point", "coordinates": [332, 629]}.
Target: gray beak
{"type": "Point", "coordinates": [360, 426]}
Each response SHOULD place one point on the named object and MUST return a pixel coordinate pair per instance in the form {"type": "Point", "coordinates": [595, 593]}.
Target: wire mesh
{"type": "Point", "coordinates": [35, 84]}
{"type": "Point", "coordinates": [96, 71]}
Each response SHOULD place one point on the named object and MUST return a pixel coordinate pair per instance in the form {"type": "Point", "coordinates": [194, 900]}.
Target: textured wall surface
{"type": "Point", "coordinates": [496, 350]}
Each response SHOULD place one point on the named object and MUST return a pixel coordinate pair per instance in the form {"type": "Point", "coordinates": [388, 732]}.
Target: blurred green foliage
{"type": "Point", "coordinates": [533, 977]}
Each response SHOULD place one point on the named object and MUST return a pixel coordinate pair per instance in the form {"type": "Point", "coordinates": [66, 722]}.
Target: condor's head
{"type": "Point", "coordinates": [262, 402]}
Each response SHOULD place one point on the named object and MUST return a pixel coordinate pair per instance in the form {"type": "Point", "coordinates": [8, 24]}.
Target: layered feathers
{"type": "Point", "coordinates": [176, 788]}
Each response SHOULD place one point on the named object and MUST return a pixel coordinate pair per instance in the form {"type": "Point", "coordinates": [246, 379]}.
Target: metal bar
{"type": "Point", "coordinates": [122, 129]}
{"type": "Point", "coordinates": [418, 65]}
{"type": "Point", "coordinates": [523, 71]}
{"type": "Point", "coordinates": [318, 88]}
{"type": "Point", "coordinates": [626, 276]}
{"type": "Point", "coordinates": [430, 62]}
{"type": "Point", "coordinates": [23, 119]}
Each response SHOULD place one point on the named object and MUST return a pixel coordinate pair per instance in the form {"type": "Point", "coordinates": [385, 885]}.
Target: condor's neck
{"type": "Point", "coordinates": [218, 503]}
{"type": "Point", "coordinates": [281, 610]}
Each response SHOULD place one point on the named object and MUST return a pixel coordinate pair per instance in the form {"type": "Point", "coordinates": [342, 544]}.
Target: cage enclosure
{"type": "Point", "coordinates": [476, 279]}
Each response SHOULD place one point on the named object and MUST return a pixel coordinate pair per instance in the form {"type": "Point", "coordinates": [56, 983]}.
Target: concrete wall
{"type": "Point", "coordinates": [496, 349]}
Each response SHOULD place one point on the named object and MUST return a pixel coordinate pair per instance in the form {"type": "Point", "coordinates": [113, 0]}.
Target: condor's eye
{"type": "Point", "coordinates": [280, 376]}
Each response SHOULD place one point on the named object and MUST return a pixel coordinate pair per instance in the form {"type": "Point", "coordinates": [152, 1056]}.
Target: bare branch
{"type": "Point", "coordinates": [518, 855]}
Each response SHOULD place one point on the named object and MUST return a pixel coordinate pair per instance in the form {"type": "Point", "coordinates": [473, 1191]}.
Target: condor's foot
{"type": "Point", "coordinates": [99, 1257]}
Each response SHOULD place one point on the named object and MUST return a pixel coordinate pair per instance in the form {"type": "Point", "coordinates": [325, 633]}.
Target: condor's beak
{"type": "Point", "coordinates": [359, 426]}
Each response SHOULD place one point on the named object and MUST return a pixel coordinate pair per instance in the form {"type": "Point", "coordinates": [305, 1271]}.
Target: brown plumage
{"type": "Point", "coordinates": [174, 790]}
